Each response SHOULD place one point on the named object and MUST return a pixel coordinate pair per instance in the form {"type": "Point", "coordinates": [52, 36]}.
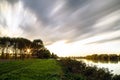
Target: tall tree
{"type": "Point", "coordinates": [37, 45]}
{"type": "Point", "coordinates": [4, 43]}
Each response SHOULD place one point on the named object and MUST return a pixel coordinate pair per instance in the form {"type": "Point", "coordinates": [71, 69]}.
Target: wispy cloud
{"type": "Point", "coordinates": [53, 20]}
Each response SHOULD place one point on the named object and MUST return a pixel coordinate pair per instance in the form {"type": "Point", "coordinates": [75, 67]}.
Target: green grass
{"type": "Point", "coordinates": [32, 69]}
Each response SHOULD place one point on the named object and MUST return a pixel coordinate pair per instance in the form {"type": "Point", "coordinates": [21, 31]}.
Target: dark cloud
{"type": "Point", "coordinates": [106, 40]}
{"type": "Point", "coordinates": [41, 8]}
{"type": "Point", "coordinates": [12, 1]}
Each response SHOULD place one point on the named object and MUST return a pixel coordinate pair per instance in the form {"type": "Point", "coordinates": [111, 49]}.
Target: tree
{"type": "Point", "coordinates": [23, 45]}
{"type": "Point", "coordinates": [4, 44]}
{"type": "Point", "coordinates": [37, 47]}
{"type": "Point", "coordinates": [54, 56]}
{"type": "Point", "coordinates": [43, 53]}
{"type": "Point", "coordinates": [37, 44]}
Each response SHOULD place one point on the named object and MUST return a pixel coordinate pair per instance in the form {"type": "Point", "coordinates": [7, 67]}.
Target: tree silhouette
{"type": "Point", "coordinates": [23, 48]}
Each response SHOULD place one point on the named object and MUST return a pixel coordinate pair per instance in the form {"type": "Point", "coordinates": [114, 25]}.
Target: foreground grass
{"type": "Point", "coordinates": [50, 69]}
{"type": "Point", "coordinates": [33, 69]}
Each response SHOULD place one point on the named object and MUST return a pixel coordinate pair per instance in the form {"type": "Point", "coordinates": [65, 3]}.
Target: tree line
{"type": "Point", "coordinates": [21, 48]}
{"type": "Point", "coordinates": [104, 57]}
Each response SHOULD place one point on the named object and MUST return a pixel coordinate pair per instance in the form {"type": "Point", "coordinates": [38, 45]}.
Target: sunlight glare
{"type": "Point", "coordinates": [28, 50]}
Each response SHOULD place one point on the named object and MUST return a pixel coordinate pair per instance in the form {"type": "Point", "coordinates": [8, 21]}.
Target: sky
{"type": "Point", "coordinates": [67, 27]}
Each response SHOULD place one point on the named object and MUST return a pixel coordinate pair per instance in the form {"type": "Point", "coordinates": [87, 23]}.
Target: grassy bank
{"type": "Point", "coordinates": [34, 69]}
{"type": "Point", "coordinates": [50, 69]}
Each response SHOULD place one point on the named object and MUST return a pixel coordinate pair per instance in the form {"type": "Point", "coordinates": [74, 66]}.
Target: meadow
{"type": "Point", "coordinates": [52, 69]}
{"type": "Point", "coordinates": [30, 69]}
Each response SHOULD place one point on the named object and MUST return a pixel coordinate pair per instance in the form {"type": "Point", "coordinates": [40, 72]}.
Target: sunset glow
{"type": "Point", "coordinates": [77, 49]}
{"type": "Point", "coordinates": [28, 50]}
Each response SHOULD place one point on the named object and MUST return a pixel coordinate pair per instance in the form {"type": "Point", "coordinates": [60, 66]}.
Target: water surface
{"type": "Point", "coordinates": [112, 66]}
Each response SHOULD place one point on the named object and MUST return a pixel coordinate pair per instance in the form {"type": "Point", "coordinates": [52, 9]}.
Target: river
{"type": "Point", "coordinates": [112, 66]}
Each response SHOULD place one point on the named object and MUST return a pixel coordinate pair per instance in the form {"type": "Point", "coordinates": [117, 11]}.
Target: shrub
{"type": "Point", "coordinates": [73, 67]}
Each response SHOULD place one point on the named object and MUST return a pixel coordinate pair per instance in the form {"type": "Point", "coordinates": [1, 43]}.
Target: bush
{"type": "Point", "coordinates": [73, 67]}
{"type": "Point", "coordinates": [116, 77]}
{"type": "Point", "coordinates": [43, 54]}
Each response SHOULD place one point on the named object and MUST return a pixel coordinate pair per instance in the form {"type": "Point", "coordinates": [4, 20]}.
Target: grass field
{"type": "Point", "coordinates": [32, 69]}
{"type": "Point", "coordinates": [50, 69]}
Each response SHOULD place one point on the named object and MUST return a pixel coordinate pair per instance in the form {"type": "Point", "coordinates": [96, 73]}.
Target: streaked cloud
{"type": "Point", "coordinates": [84, 21]}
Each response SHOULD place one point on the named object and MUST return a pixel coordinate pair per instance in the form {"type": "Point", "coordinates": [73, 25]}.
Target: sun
{"type": "Point", "coordinates": [28, 50]}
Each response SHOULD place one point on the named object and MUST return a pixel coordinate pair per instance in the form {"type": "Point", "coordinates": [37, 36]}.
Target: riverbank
{"type": "Point", "coordinates": [51, 69]}
{"type": "Point", "coordinates": [78, 70]}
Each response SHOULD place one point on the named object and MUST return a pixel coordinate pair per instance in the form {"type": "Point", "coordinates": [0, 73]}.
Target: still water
{"type": "Point", "coordinates": [112, 66]}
